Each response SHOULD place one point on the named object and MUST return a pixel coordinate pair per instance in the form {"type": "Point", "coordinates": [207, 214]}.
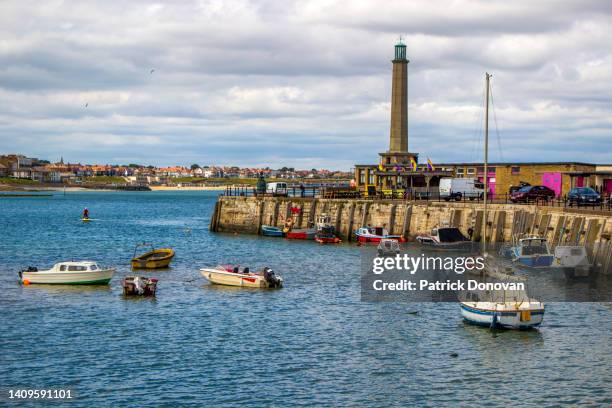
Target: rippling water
{"type": "Point", "coordinates": [311, 343]}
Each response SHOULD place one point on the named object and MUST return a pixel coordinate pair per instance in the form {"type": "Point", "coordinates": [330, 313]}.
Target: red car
{"type": "Point", "coordinates": [532, 193]}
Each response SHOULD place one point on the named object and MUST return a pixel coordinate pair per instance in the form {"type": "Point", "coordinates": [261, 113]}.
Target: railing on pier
{"type": "Point", "coordinates": [415, 194]}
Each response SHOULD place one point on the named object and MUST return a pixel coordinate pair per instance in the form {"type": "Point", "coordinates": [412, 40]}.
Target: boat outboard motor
{"type": "Point", "coordinates": [270, 277]}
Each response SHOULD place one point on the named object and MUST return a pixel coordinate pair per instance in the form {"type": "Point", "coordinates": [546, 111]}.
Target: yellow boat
{"type": "Point", "coordinates": [155, 258]}
{"type": "Point", "coordinates": [86, 219]}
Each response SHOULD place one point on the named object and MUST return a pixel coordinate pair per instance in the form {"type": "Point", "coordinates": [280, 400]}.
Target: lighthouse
{"type": "Point", "coordinates": [398, 140]}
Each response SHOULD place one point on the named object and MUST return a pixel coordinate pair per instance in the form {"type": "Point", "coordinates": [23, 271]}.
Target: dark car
{"type": "Point", "coordinates": [517, 188]}
{"type": "Point", "coordinates": [532, 193]}
{"type": "Point", "coordinates": [583, 196]}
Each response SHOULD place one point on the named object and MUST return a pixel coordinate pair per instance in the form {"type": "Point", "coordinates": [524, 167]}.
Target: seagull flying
{"type": "Point", "coordinates": [87, 104]}
{"type": "Point", "coordinates": [153, 70]}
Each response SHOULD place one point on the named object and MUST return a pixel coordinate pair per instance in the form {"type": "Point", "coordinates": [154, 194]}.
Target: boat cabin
{"type": "Point", "coordinates": [448, 234]}
{"type": "Point", "coordinates": [379, 231]}
{"type": "Point", "coordinates": [533, 246]}
{"type": "Point", "coordinates": [76, 266]}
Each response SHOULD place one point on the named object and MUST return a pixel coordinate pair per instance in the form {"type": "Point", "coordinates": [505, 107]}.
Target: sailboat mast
{"type": "Point", "coordinates": [486, 161]}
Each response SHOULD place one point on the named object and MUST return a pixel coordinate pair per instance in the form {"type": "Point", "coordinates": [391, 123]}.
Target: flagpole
{"type": "Point", "coordinates": [486, 163]}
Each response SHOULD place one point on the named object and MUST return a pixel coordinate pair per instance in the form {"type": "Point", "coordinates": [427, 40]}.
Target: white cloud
{"type": "Point", "coordinates": [301, 83]}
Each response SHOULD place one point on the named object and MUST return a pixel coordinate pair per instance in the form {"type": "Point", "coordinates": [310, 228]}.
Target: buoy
{"type": "Point", "coordinates": [26, 282]}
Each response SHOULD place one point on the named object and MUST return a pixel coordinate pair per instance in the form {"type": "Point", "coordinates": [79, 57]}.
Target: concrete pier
{"type": "Point", "coordinates": [562, 226]}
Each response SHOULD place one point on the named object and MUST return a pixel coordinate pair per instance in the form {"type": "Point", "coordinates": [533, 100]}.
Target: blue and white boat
{"type": "Point", "coordinates": [520, 315]}
{"type": "Point", "coordinates": [533, 252]}
{"type": "Point", "coordinates": [270, 231]}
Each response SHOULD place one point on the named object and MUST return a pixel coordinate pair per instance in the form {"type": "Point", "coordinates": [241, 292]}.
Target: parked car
{"type": "Point", "coordinates": [458, 188]}
{"type": "Point", "coordinates": [583, 196]}
{"type": "Point", "coordinates": [517, 188]}
{"type": "Point", "coordinates": [532, 193]}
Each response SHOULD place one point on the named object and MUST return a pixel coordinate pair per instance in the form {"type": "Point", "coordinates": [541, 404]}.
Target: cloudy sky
{"type": "Point", "coordinates": [304, 84]}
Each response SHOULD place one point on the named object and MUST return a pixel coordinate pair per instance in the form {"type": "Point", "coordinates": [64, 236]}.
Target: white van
{"type": "Point", "coordinates": [277, 189]}
{"type": "Point", "coordinates": [458, 188]}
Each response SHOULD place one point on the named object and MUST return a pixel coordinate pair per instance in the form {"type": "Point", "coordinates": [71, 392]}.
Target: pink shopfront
{"type": "Point", "coordinates": [490, 178]}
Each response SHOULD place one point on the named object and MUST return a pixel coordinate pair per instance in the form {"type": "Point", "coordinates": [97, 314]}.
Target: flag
{"type": "Point", "coordinates": [380, 167]}
{"type": "Point", "coordinates": [430, 165]}
{"type": "Point", "coordinates": [414, 164]}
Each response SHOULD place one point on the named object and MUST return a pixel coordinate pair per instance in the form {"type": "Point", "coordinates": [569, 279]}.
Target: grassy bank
{"type": "Point", "coordinates": [19, 182]}
{"type": "Point", "coordinates": [104, 180]}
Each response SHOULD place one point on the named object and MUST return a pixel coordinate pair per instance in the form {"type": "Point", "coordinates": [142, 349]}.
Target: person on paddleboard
{"type": "Point", "coordinates": [85, 213]}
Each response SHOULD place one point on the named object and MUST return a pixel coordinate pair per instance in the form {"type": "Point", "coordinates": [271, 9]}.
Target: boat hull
{"type": "Point", "coordinates": [327, 240]}
{"type": "Point", "coordinates": [219, 277]}
{"type": "Point", "coordinates": [162, 261]}
{"type": "Point", "coordinates": [100, 277]}
{"type": "Point", "coordinates": [448, 246]}
{"type": "Point", "coordinates": [300, 234]}
{"type": "Point", "coordinates": [272, 231]}
{"type": "Point", "coordinates": [377, 238]}
{"type": "Point", "coordinates": [543, 261]}
{"type": "Point", "coordinates": [507, 319]}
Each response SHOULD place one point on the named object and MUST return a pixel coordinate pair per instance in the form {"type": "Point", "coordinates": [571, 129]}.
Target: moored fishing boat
{"type": "Point", "coordinates": [270, 231]}
{"type": "Point", "coordinates": [507, 315]}
{"type": "Point", "coordinates": [376, 234]}
{"type": "Point", "coordinates": [153, 259]}
{"type": "Point", "coordinates": [326, 232]}
{"type": "Point", "coordinates": [449, 238]}
{"type": "Point", "coordinates": [326, 235]}
{"type": "Point", "coordinates": [68, 273]}
{"type": "Point", "coordinates": [231, 275]}
{"type": "Point", "coordinates": [533, 252]}
{"type": "Point", "coordinates": [301, 233]}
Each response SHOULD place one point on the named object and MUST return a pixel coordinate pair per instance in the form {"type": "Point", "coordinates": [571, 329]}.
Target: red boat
{"type": "Point", "coordinates": [325, 235]}
{"type": "Point", "coordinates": [375, 234]}
{"type": "Point", "coordinates": [301, 233]}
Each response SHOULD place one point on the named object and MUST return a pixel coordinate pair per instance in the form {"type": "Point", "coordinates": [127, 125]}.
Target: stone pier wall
{"type": "Point", "coordinates": [559, 225]}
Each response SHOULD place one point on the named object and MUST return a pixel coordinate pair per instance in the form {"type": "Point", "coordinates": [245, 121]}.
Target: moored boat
{"type": "Point", "coordinates": [139, 286]}
{"type": "Point", "coordinates": [573, 260]}
{"type": "Point", "coordinates": [533, 252]}
{"type": "Point", "coordinates": [376, 234]}
{"type": "Point", "coordinates": [231, 275]}
{"type": "Point", "coordinates": [388, 247]}
{"type": "Point", "coordinates": [270, 231]}
{"type": "Point", "coordinates": [326, 233]}
{"type": "Point", "coordinates": [301, 233]}
{"type": "Point", "coordinates": [155, 258]}
{"type": "Point", "coordinates": [506, 315]}
{"type": "Point", "coordinates": [68, 273]}
{"type": "Point", "coordinates": [445, 238]}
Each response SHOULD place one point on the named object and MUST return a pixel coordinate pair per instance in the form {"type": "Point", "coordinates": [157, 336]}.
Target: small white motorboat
{"type": "Point", "coordinates": [573, 260]}
{"type": "Point", "coordinates": [68, 273]}
{"type": "Point", "coordinates": [231, 275]}
{"type": "Point", "coordinates": [388, 247]}
{"type": "Point", "coordinates": [376, 234]}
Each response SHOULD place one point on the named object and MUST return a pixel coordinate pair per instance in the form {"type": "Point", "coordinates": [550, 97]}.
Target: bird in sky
{"type": "Point", "coordinates": [87, 104]}
{"type": "Point", "coordinates": [153, 70]}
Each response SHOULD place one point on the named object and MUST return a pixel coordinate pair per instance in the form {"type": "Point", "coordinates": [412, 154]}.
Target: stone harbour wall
{"type": "Point", "coordinates": [559, 225]}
